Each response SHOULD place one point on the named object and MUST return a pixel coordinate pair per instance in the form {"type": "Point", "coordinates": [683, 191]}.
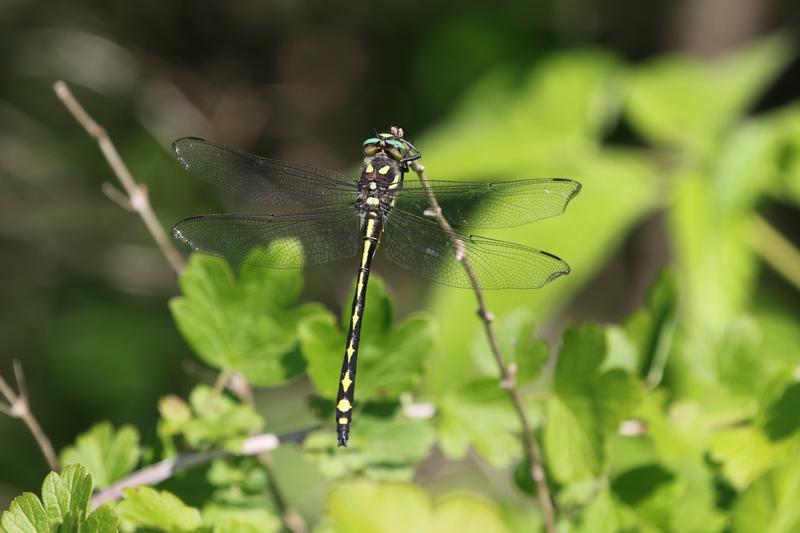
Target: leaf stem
{"type": "Point", "coordinates": [135, 198]}
{"type": "Point", "coordinates": [19, 407]}
{"type": "Point", "coordinates": [508, 380]}
{"type": "Point", "coordinates": [775, 249]}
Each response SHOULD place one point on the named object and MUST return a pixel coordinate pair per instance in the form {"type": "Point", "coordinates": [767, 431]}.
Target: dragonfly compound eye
{"type": "Point", "coordinates": [395, 149]}
{"type": "Point", "coordinates": [372, 146]}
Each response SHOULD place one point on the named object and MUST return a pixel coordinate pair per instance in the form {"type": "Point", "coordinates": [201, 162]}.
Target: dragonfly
{"type": "Point", "coordinates": [315, 216]}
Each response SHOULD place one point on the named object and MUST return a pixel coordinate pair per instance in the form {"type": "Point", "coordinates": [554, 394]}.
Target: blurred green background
{"type": "Point", "coordinates": [681, 119]}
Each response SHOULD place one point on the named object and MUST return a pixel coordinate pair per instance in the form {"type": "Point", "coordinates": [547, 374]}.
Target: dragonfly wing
{"type": "Point", "coordinates": [263, 180]}
{"type": "Point", "coordinates": [422, 246]}
{"type": "Point", "coordinates": [274, 241]}
{"type": "Point", "coordinates": [491, 205]}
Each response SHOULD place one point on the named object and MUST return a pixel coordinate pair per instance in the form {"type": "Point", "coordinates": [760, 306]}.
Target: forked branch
{"type": "Point", "coordinates": [135, 197]}
{"type": "Point", "coordinates": [507, 372]}
{"type": "Point", "coordinates": [18, 407]}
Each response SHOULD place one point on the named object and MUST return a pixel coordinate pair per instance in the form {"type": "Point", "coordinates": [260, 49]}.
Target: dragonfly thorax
{"type": "Point", "coordinates": [381, 176]}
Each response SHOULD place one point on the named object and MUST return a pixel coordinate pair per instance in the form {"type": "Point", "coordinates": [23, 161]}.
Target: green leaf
{"type": "Point", "coordinates": [601, 515]}
{"type": "Point", "coordinates": [687, 102]}
{"type": "Point", "coordinates": [479, 414]}
{"type": "Point", "coordinates": [66, 500]}
{"type": "Point", "coordinates": [467, 513]}
{"type": "Point", "coordinates": [248, 326]}
{"type": "Point", "coordinates": [240, 520]}
{"type": "Point", "coordinates": [210, 419]}
{"type": "Point", "coordinates": [390, 356]}
{"type": "Point", "coordinates": [770, 503]}
{"type": "Point", "coordinates": [68, 492]}
{"type": "Point", "coordinates": [652, 328]}
{"type": "Point", "coordinates": [587, 404]}
{"type": "Point", "coordinates": [746, 453]}
{"type": "Point", "coordinates": [146, 507]}
{"type": "Point", "coordinates": [102, 520]}
{"type": "Point", "coordinates": [518, 344]}
{"type": "Point", "coordinates": [780, 420]}
{"type": "Point", "coordinates": [381, 448]}
{"type": "Point", "coordinates": [402, 507]}
{"type": "Point", "coordinates": [107, 454]}
{"type": "Point", "coordinates": [25, 515]}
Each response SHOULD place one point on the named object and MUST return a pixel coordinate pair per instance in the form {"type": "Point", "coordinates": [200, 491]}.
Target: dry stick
{"type": "Point", "coordinates": [137, 199]}
{"type": "Point", "coordinates": [507, 372]}
{"type": "Point", "coordinates": [18, 407]}
{"type": "Point", "coordinates": [158, 472]}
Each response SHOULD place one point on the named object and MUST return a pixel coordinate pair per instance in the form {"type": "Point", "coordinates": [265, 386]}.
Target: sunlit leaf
{"type": "Point", "coordinates": [401, 507]}
{"type": "Point", "coordinates": [746, 453]}
{"type": "Point", "coordinates": [63, 507]}
{"type": "Point", "coordinates": [247, 325]}
{"type": "Point", "coordinates": [143, 506]}
{"type": "Point", "coordinates": [390, 356]}
{"type": "Point", "coordinates": [382, 448]}
{"type": "Point", "coordinates": [587, 403]}
{"type": "Point", "coordinates": [107, 453]}
{"type": "Point", "coordinates": [686, 102]}
{"type": "Point", "coordinates": [518, 345]}
{"type": "Point", "coordinates": [770, 503]}
{"type": "Point", "coordinates": [210, 419]}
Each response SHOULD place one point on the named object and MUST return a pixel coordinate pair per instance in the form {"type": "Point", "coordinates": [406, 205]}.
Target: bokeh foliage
{"type": "Point", "coordinates": [681, 416]}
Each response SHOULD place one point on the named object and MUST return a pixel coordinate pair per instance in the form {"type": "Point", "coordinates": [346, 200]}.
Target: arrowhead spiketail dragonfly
{"type": "Point", "coordinates": [317, 215]}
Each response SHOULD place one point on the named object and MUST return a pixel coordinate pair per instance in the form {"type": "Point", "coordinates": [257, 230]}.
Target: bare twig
{"type": "Point", "coordinates": [507, 371]}
{"type": "Point", "coordinates": [158, 472]}
{"type": "Point", "coordinates": [18, 407]}
{"type": "Point", "coordinates": [775, 250]}
{"type": "Point", "coordinates": [136, 193]}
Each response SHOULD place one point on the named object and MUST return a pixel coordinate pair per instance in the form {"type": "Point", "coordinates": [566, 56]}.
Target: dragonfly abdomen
{"type": "Point", "coordinates": [372, 228]}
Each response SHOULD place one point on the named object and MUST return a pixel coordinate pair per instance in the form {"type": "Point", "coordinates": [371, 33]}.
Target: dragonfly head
{"type": "Point", "coordinates": [394, 146]}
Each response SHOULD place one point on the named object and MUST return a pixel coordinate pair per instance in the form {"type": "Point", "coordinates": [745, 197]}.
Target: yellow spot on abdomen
{"type": "Point", "coordinates": [384, 169]}
{"type": "Point", "coordinates": [346, 381]}
{"type": "Point", "coordinates": [350, 352]}
{"type": "Point", "coordinates": [343, 420]}
{"type": "Point", "coordinates": [343, 405]}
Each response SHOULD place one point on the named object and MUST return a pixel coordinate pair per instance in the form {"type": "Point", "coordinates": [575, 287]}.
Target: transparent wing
{"type": "Point", "coordinates": [422, 246]}
{"type": "Point", "coordinates": [491, 205]}
{"type": "Point", "coordinates": [274, 241]}
{"type": "Point", "coordinates": [263, 180]}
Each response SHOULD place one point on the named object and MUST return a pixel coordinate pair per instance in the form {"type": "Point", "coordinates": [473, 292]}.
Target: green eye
{"type": "Point", "coordinates": [372, 140]}
{"type": "Point", "coordinates": [397, 144]}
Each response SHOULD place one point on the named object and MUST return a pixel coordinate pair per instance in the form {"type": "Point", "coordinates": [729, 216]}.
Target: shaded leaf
{"type": "Point", "coordinates": [479, 414]}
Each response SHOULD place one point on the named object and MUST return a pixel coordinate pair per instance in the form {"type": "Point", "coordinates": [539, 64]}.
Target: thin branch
{"type": "Point", "coordinates": [163, 470]}
{"type": "Point", "coordinates": [289, 516]}
{"type": "Point", "coordinates": [775, 250]}
{"type": "Point", "coordinates": [507, 372]}
{"type": "Point", "coordinates": [18, 407]}
{"type": "Point", "coordinates": [137, 197]}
